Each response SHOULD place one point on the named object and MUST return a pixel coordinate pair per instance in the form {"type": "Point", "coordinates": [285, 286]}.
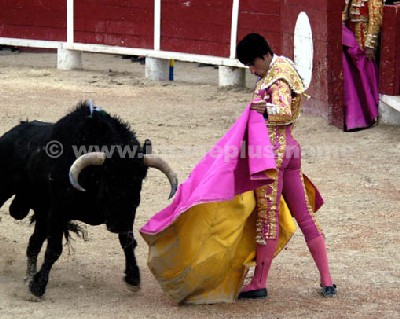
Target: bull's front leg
{"type": "Point", "coordinates": [35, 245]}
{"type": "Point", "coordinates": [53, 251]}
{"type": "Point", "coordinates": [132, 274]}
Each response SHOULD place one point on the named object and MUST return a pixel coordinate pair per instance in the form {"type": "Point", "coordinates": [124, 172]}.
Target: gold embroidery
{"type": "Point", "coordinates": [283, 69]}
{"type": "Point", "coordinates": [266, 196]}
{"type": "Point", "coordinates": [374, 23]}
{"type": "Point", "coordinates": [277, 136]}
{"type": "Point", "coordinates": [281, 96]}
{"type": "Point", "coordinates": [295, 106]}
{"type": "Point", "coordinates": [266, 212]}
{"type": "Point", "coordinates": [365, 19]}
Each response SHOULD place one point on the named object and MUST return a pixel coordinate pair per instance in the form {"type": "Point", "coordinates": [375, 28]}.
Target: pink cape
{"type": "Point", "coordinates": [236, 164]}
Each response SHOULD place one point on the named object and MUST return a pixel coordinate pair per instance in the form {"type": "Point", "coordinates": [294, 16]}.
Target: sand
{"type": "Point", "coordinates": [357, 173]}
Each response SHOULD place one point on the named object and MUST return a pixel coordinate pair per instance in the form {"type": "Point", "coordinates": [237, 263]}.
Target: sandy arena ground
{"type": "Point", "coordinates": [357, 173]}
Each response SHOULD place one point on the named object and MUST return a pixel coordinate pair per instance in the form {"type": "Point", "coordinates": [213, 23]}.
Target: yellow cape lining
{"type": "Point", "coordinates": [204, 256]}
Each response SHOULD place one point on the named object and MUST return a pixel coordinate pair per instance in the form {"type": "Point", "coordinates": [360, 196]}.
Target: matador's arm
{"type": "Point", "coordinates": [279, 100]}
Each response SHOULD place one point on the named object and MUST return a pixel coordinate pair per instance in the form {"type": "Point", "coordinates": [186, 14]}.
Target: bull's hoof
{"type": "Point", "coordinates": [32, 298]}
{"type": "Point", "coordinates": [36, 290]}
{"type": "Point", "coordinates": [132, 283]}
{"type": "Point", "coordinates": [27, 280]}
{"type": "Point", "coordinates": [37, 286]}
{"type": "Point", "coordinates": [29, 295]}
{"type": "Point", "coordinates": [133, 289]}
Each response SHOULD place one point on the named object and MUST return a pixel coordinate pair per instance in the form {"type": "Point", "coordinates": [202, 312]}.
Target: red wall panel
{"type": "Point", "coordinates": [263, 17]}
{"type": "Point", "coordinates": [33, 19]}
{"type": "Point", "coordinates": [199, 27]}
{"type": "Point", "coordinates": [334, 71]}
{"type": "Point", "coordinates": [112, 22]}
{"type": "Point", "coordinates": [390, 58]}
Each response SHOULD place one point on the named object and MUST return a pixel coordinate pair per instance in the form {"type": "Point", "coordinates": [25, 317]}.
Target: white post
{"type": "Point", "coordinates": [69, 59]}
{"type": "Point", "coordinates": [231, 76]}
{"type": "Point", "coordinates": [234, 27]}
{"type": "Point", "coordinates": [70, 21]}
{"type": "Point", "coordinates": [157, 69]}
{"type": "Point", "coordinates": [157, 24]}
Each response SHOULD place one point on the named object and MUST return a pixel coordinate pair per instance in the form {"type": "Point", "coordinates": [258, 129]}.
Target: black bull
{"type": "Point", "coordinates": [39, 166]}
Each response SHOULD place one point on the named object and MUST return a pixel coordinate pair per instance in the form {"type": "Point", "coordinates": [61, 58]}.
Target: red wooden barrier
{"type": "Point", "coordinates": [389, 75]}
{"type": "Point", "coordinates": [115, 22]}
{"type": "Point", "coordinates": [263, 17]}
{"type": "Point", "coordinates": [193, 26]}
{"type": "Point", "coordinates": [33, 19]}
{"type": "Point", "coordinates": [196, 26]}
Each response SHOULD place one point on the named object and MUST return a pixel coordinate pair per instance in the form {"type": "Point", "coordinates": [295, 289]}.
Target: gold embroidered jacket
{"type": "Point", "coordinates": [281, 88]}
{"type": "Point", "coordinates": [364, 18]}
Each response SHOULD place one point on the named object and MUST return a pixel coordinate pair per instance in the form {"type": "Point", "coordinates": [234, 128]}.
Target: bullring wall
{"type": "Point", "coordinates": [193, 26]}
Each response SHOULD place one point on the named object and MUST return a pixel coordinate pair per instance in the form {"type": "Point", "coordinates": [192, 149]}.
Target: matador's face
{"type": "Point", "coordinates": [260, 66]}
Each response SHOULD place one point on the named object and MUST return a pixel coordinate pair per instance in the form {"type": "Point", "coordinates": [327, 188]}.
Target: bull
{"type": "Point", "coordinates": [41, 168]}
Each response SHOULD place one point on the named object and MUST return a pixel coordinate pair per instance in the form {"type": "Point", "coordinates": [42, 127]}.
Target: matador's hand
{"type": "Point", "coordinates": [259, 106]}
{"type": "Point", "coordinates": [370, 53]}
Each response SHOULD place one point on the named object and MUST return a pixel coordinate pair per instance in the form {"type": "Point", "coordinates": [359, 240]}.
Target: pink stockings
{"type": "Point", "coordinates": [265, 254]}
{"type": "Point", "coordinates": [318, 251]}
{"type": "Point", "coordinates": [290, 184]}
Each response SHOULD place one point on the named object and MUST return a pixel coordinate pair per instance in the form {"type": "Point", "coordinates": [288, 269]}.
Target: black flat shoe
{"type": "Point", "coordinates": [254, 294]}
{"type": "Point", "coordinates": [328, 291]}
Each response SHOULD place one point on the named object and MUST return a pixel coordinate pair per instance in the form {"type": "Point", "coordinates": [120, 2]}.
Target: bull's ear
{"type": "Point", "coordinates": [147, 147]}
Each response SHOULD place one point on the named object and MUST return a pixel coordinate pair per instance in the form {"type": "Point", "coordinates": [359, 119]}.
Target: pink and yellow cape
{"type": "Point", "coordinates": [202, 245]}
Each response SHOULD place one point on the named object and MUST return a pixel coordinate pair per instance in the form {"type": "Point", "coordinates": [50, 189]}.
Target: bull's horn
{"type": "Point", "coordinates": [85, 160]}
{"type": "Point", "coordinates": [157, 162]}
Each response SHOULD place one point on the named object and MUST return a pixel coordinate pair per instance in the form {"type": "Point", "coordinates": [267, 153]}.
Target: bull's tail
{"type": "Point", "coordinates": [79, 230]}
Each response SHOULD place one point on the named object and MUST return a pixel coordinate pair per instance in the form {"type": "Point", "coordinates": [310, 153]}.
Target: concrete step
{"type": "Point", "coordinates": [389, 109]}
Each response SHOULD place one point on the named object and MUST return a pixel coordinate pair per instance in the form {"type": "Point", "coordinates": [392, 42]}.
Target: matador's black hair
{"type": "Point", "coordinates": [251, 47]}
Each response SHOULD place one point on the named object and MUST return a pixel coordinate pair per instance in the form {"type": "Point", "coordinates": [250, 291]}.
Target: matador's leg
{"type": "Point", "coordinates": [295, 195]}
{"type": "Point", "coordinates": [267, 239]}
